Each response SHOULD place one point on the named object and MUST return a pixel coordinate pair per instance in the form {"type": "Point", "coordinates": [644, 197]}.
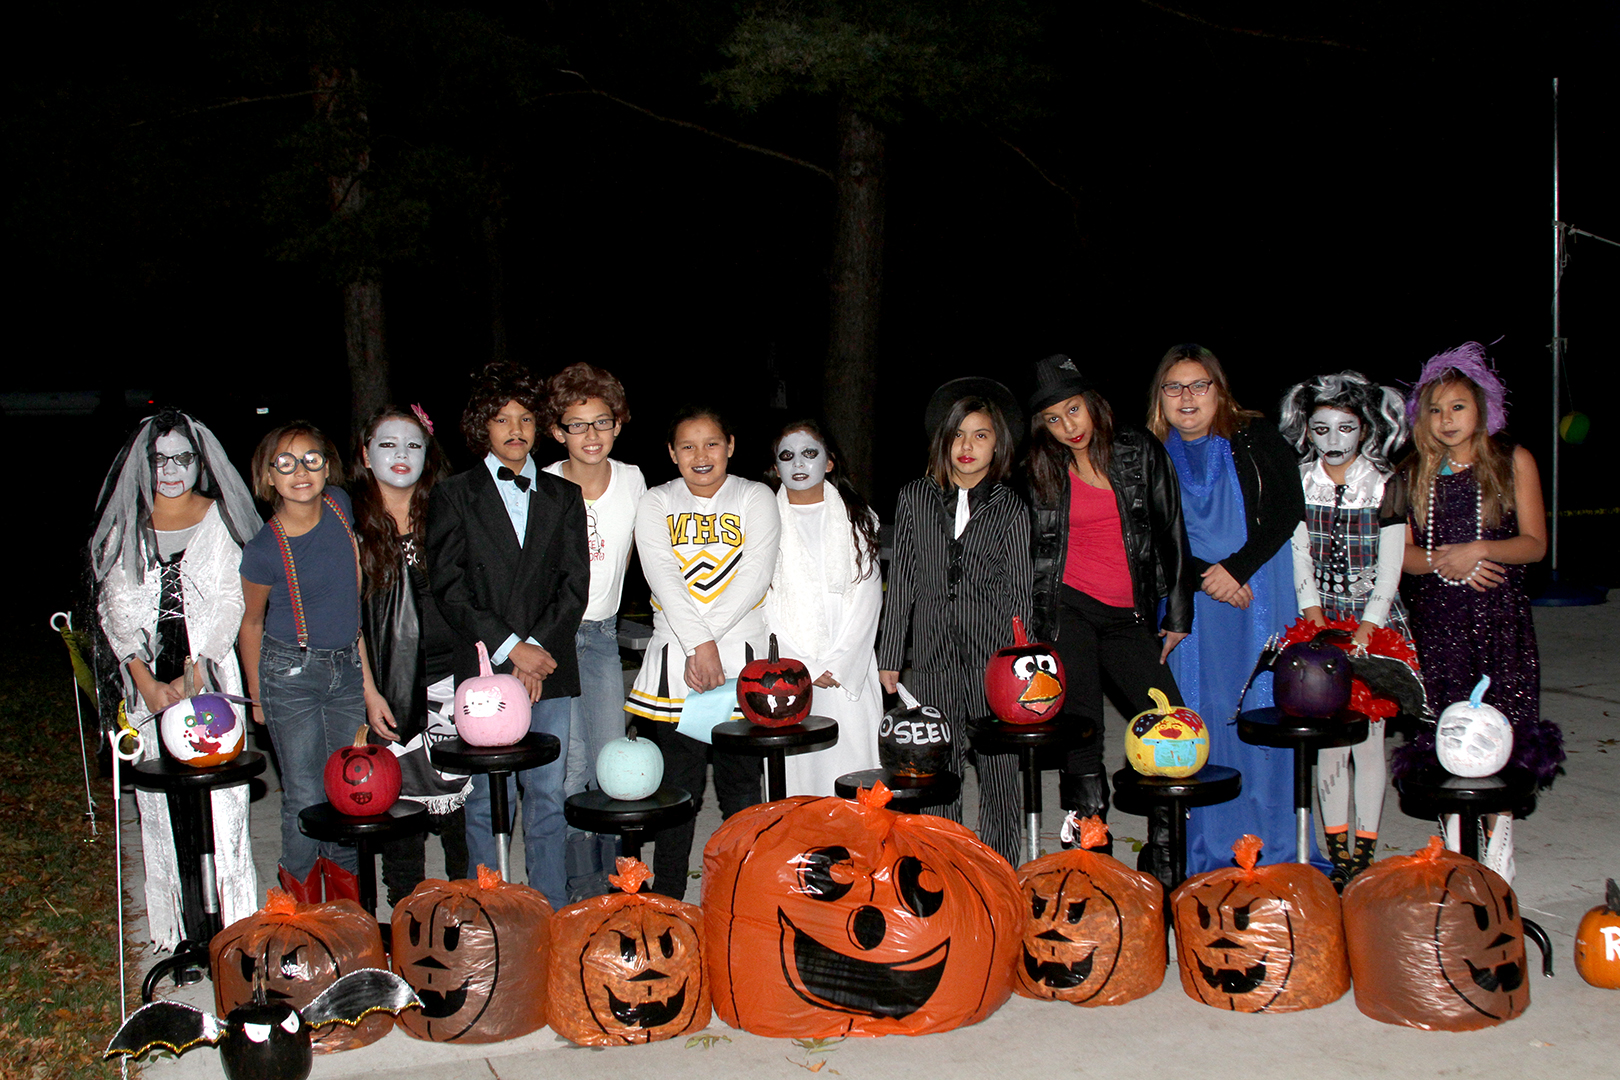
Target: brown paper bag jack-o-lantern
{"type": "Point", "coordinates": [1260, 938]}
{"type": "Point", "coordinates": [827, 916]}
{"type": "Point", "coordinates": [475, 952]}
{"type": "Point", "coordinates": [1095, 934]}
{"type": "Point", "coordinates": [627, 967]}
{"type": "Point", "coordinates": [300, 950]}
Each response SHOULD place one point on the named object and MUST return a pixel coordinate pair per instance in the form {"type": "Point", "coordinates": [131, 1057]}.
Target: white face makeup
{"type": "Point", "coordinates": [801, 461]}
{"type": "Point", "coordinates": [1336, 435]}
{"type": "Point", "coordinates": [397, 453]}
{"type": "Point", "coordinates": [173, 479]}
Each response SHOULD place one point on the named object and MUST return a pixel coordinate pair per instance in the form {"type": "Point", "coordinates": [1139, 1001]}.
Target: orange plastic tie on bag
{"type": "Point", "coordinates": [1432, 852]}
{"type": "Point", "coordinates": [632, 873]}
{"type": "Point", "coordinates": [279, 902]}
{"type": "Point", "coordinates": [877, 796]}
{"type": "Point", "coordinates": [1093, 833]}
{"type": "Point", "coordinates": [487, 878]}
{"type": "Point", "coordinates": [1247, 852]}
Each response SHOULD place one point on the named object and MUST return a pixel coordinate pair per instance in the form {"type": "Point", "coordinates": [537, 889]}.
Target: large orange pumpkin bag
{"type": "Point", "coordinates": [475, 952]}
{"type": "Point", "coordinates": [1436, 941]}
{"type": "Point", "coordinates": [301, 949]}
{"type": "Point", "coordinates": [1260, 938]}
{"type": "Point", "coordinates": [828, 916]}
{"type": "Point", "coordinates": [1094, 928]}
{"type": "Point", "coordinates": [627, 967]}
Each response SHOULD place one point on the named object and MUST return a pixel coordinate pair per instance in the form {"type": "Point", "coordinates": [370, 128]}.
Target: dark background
{"type": "Point", "coordinates": [1221, 175]}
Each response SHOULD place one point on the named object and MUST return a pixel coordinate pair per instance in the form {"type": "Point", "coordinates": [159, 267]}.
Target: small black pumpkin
{"type": "Point", "coordinates": [914, 739]}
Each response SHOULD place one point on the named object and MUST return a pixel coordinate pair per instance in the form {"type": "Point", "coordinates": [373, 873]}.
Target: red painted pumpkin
{"type": "Point", "coordinates": [362, 779]}
{"type": "Point", "coordinates": [1436, 942]}
{"type": "Point", "coordinates": [491, 709]}
{"type": "Point", "coordinates": [300, 950]}
{"type": "Point", "coordinates": [774, 691]}
{"type": "Point", "coordinates": [475, 952]}
{"type": "Point", "coordinates": [1260, 938]}
{"type": "Point", "coordinates": [827, 916]}
{"type": "Point", "coordinates": [1597, 941]}
{"type": "Point", "coordinates": [1095, 929]}
{"type": "Point", "coordinates": [627, 967]}
{"type": "Point", "coordinates": [1024, 682]}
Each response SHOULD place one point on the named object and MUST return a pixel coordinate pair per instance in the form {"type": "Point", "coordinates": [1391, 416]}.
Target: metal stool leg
{"type": "Point", "coordinates": [775, 775]}
{"type": "Point", "coordinates": [1304, 763]}
{"type": "Point", "coordinates": [499, 822]}
{"type": "Point", "coordinates": [1032, 799]}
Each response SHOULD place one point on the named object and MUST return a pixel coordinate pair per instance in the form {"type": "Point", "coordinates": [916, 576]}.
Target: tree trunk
{"type": "Point", "coordinates": [850, 378]}
{"type": "Point", "coordinates": [337, 99]}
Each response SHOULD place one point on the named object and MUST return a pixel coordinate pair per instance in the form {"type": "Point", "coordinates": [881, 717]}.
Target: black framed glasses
{"type": "Point", "coordinates": [1176, 389]}
{"type": "Point", "coordinates": [183, 460]}
{"type": "Point", "coordinates": [578, 427]}
{"type": "Point", "coordinates": [287, 464]}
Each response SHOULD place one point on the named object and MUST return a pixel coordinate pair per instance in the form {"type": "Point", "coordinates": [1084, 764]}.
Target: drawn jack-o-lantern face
{"type": "Point", "coordinates": [1479, 943]}
{"type": "Point", "coordinates": [1024, 683]}
{"type": "Point", "coordinates": [475, 952]}
{"type": "Point", "coordinates": [1266, 939]}
{"type": "Point", "coordinates": [774, 691]}
{"type": "Point", "coordinates": [1073, 940]}
{"type": "Point", "coordinates": [873, 922]}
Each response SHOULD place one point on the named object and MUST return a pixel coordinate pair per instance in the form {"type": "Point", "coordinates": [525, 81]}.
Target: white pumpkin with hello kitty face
{"type": "Point", "coordinates": [491, 709]}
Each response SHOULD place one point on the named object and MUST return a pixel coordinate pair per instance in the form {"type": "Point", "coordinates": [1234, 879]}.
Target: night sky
{"type": "Point", "coordinates": [1298, 207]}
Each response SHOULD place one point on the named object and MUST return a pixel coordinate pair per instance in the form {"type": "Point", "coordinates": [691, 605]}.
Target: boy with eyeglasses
{"type": "Point", "coordinates": [586, 409]}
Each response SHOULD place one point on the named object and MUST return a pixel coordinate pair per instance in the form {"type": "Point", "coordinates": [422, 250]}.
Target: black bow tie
{"type": "Point", "coordinates": [503, 473]}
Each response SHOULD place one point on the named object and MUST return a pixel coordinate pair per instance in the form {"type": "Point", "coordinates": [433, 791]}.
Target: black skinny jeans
{"type": "Point", "coordinates": [686, 761]}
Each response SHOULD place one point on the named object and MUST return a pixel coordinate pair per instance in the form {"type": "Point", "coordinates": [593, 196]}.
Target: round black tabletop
{"type": "Point", "coordinates": [530, 752]}
{"type": "Point", "coordinates": [596, 811]}
{"type": "Point", "coordinates": [1209, 785]}
{"type": "Point", "coordinates": [162, 774]}
{"type": "Point", "coordinates": [993, 736]}
{"type": "Point", "coordinates": [1273, 727]}
{"type": "Point", "coordinates": [906, 791]}
{"type": "Point", "coordinates": [1512, 789]}
{"type": "Point", "coordinates": [743, 737]}
{"type": "Point", "coordinates": [324, 822]}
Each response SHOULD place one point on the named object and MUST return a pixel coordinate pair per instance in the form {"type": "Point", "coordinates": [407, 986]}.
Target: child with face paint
{"type": "Point", "coordinates": [1475, 520]}
{"type": "Point", "coordinates": [708, 546]}
{"type": "Point", "coordinates": [407, 639]}
{"type": "Point", "coordinates": [172, 517]}
{"type": "Point", "coordinates": [961, 571]}
{"type": "Point", "coordinates": [587, 410]}
{"type": "Point", "coordinates": [825, 598]}
{"type": "Point", "coordinates": [1347, 566]}
{"type": "Point", "coordinates": [301, 646]}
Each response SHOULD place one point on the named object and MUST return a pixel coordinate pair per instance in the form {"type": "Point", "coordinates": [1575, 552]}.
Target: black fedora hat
{"type": "Point", "coordinates": [973, 386]}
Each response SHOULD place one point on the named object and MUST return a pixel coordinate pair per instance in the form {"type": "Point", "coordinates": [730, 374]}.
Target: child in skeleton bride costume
{"type": "Point", "coordinates": [1347, 566]}
{"type": "Point", "coordinates": [171, 520]}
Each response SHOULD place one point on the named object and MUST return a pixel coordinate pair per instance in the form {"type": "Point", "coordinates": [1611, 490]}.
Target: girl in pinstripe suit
{"type": "Point", "coordinates": [961, 570]}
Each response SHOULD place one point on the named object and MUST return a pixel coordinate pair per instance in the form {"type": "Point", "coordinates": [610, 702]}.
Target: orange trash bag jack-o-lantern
{"type": "Point", "coordinates": [627, 967]}
{"type": "Point", "coordinates": [475, 952]}
{"type": "Point", "coordinates": [1095, 929]}
{"type": "Point", "coordinates": [1260, 938]}
{"type": "Point", "coordinates": [1436, 941]}
{"type": "Point", "coordinates": [300, 949]}
{"type": "Point", "coordinates": [828, 916]}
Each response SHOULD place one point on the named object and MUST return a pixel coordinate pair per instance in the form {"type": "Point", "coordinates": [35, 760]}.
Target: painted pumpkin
{"type": "Point", "coordinates": [491, 709]}
{"type": "Point", "coordinates": [475, 952]}
{"type": "Point", "coordinates": [202, 731]}
{"type": "Point", "coordinates": [299, 950]}
{"type": "Point", "coordinates": [1597, 941]}
{"type": "Point", "coordinates": [630, 768]}
{"type": "Point", "coordinates": [774, 691]}
{"type": "Point", "coordinates": [1471, 738]}
{"type": "Point", "coordinates": [1386, 695]}
{"type": "Point", "coordinates": [362, 779]}
{"type": "Point", "coordinates": [827, 917]}
{"type": "Point", "coordinates": [1311, 679]}
{"type": "Point", "coordinates": [1094, 930]}
{"type": "Point", "coordinates": [1436, 942]}
{"type": "Point", "coordinates": [1024, 682]}
{"type": "Point", "coordinates": [627, 967]}
{"type": "Point", "coordinates": [914, 739]}
{"type": "Point", "coordinates": [1166, 740]}
{"type": "Point", "coordinates": [1260, 938]}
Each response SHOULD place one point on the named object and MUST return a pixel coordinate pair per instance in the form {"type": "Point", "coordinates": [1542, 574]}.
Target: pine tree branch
{"type": "Point", "coordinates": [1200, 20]}
{"type": "Point", "coordinates": [226, 105]}
{"type": "Point", "coordinates": [1042, 173]}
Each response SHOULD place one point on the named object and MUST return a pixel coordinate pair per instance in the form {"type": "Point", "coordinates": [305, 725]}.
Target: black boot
{"type": "Point", "coordinates": [1338, 853]}
{"type": "Point", "coordinates": [1087, 796]}
{"type": "Point", "coordinates": [1155, 858]}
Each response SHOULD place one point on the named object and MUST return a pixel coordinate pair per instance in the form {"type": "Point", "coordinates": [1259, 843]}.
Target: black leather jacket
{"type": "Point", "coordinates": [1149, 500]}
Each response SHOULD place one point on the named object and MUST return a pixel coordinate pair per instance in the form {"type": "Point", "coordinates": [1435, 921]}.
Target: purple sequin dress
{"type": "Point", "coordinates": [1462, 634]}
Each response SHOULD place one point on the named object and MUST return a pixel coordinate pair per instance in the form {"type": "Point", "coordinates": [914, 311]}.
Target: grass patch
{"type": "Point", "coordinates": [58, 967]}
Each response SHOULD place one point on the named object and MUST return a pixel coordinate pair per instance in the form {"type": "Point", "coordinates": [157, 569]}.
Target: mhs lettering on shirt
{"type": "Point", "coordinates": [708, 547]}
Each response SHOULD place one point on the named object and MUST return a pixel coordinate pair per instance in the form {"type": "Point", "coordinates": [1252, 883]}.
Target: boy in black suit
{"type": "Point", "coordinates": [508, 561]}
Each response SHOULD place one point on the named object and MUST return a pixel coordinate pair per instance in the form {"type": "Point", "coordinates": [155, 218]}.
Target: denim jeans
{"type": "Point", "coordinates": [598, 719]}
{"type": "Point", "coordinates": [544, 831]}
{"type": "Point", "coordinates": [313, 700]}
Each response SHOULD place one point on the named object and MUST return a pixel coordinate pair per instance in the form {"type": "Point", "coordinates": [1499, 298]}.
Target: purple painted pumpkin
{"type": "Point", "coordinates": [1312, 679]}
{"type": "Point", "coordinates": [491, 709]}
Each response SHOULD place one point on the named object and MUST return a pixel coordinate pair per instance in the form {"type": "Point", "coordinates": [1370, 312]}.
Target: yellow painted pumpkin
{"type": "Point", "coordinates": [1168, 740]}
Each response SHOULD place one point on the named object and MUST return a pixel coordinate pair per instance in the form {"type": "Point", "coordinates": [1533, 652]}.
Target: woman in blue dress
{"type": "Point", "coordinates": [1241, 500]}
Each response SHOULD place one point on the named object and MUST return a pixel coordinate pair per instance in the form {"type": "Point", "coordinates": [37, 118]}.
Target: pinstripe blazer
{"type": "Point", "coordinates": [956, 599]}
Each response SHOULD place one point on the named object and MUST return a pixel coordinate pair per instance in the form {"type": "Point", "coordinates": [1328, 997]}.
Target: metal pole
{"type": "Point", "coordinates": [1558, 340]}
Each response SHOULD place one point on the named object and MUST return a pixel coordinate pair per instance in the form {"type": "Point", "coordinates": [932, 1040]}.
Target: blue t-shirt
{"type": "Point", "coordinates": [326, 579]}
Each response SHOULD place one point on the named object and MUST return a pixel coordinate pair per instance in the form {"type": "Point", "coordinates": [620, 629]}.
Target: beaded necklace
{"type": "Point", "coordinates": [1479, 528]}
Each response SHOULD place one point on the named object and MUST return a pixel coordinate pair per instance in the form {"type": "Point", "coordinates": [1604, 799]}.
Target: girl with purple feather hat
{"type": "Point", "coordinates": [1475, 520]}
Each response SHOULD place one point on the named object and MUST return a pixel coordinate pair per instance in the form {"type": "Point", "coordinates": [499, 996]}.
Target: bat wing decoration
{"type": "Point", "coordinates": [263, 1040]}
{"type": "Point", "coordinates": [1388, 677]}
